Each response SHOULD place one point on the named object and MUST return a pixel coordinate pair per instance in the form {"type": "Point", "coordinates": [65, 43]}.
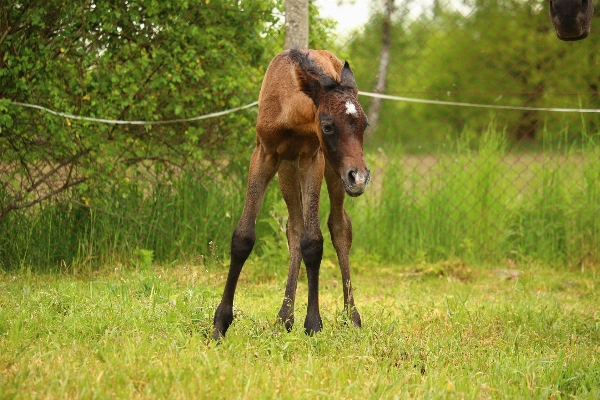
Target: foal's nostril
{"type": "Point", "coordinates": [356, 181]}
{"type": "Point", "coordinates": [357, 178]}
{"type": "Point", "coordinates": [352, 177]}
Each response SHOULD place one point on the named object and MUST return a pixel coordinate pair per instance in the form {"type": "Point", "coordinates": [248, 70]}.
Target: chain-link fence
{"type": "Point", "coordinates": [490, 120]}
{"type": "Point", "coordinates": [474, 156]}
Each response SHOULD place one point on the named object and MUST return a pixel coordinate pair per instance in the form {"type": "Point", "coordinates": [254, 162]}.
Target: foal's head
{"type": "Point", "coordinates": [340, 120]}
{"type": "Point", "coordinates": [571, 18]}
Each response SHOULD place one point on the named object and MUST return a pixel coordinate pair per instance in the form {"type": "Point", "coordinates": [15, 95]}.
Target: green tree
{"type": "Point", "coordinates": [486, 51]}
{"type": "Point", "coordinates": [124, 60]}
{"type": "Point", "coordinates": [79, 190]}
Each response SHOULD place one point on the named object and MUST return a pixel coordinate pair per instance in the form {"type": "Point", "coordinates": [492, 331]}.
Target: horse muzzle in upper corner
{"type": "Point", "coordinates": [571, 18]}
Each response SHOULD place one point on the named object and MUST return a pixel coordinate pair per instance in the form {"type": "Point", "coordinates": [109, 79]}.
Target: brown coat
{"type": "Point", "coordinates": [310, 125]}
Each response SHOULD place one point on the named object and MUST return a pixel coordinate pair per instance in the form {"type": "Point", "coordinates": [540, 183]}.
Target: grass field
{"type": "Point", "coordinates": [446, 330]}
{"type": "Point", "coordinates": [115, 298]}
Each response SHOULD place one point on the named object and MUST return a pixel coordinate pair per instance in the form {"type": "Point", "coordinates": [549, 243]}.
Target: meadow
{"type": "Point", "coordinates": [475, 268]}
{"type": "Point", "coordinates": [442, 330]}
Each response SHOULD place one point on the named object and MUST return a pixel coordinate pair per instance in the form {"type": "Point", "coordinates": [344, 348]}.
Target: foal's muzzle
{"type": "Point", "coordinates": [356, 181]}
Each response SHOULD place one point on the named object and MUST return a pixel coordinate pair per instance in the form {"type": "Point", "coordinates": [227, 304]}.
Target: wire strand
{"type": "Point", "coordinates": [477, 105]}
{"type": "Point", "coordinates": [124, 122]}
{"type": "Point", "coordinates": [368, 94]}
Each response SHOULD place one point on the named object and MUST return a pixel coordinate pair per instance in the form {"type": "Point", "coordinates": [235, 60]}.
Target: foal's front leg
{"type": "Point", "coordinates": [311, 241]}
{"type": "Point", "coordinates": [340, 228]}
{"type": "Point", "coordinates": [263, 167]}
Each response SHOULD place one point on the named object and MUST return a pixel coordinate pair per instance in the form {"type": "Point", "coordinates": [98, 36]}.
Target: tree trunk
{"type": "Point", "coordinates": [384, 60]}
{"type": "Point", "coordinates": [296, 24]}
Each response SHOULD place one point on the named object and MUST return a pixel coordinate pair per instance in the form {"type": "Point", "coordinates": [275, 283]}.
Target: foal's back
{"type": "Point", "coordinates": [286, 116]}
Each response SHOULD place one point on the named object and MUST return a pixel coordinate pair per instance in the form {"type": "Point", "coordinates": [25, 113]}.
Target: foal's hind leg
{"type": "Point", "coordinates": [340, 228]}
{"type": "Point", "coordinates": [262, 169]}
{"type": "Point", "coordinates": [290, 188]}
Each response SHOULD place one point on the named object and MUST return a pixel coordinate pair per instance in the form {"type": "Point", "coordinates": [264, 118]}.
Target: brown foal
{"type": "Point", "coordinates": [310, 125]}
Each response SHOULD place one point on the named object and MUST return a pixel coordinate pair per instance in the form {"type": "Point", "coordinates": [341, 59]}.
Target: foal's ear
{"type": "Point", "coordinates": [347, 77]}
{"type": "Point", "coordinates": [327, 82]}
{"type": "Point", "coordinates": [309, 84]}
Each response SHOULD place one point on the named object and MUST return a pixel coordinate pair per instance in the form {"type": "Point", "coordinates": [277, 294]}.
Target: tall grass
{"type": "Point", "coordinates": [474, 200]}
{"type": "Point", "coordinates": [185, 218]}
{"type": "Point", "coordinates": [182, 218]}
{"type": "Point", "coordinates": [483, 204]}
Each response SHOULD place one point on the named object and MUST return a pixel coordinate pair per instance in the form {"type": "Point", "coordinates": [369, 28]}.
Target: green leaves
{"type": "Point", "coordinates": [501, 52]}
{"type": "Point", "coordinates": [5, 118]}
{"type": "Point", "coordinates": [127, 60]}
{"type": "Point", "coordinates": [142, 60]}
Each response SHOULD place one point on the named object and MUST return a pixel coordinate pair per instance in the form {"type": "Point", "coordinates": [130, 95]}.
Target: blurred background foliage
{"type": "Point", "coordinates": [500, 52]}
{"type": "Point", "coordinates": [77, 194]}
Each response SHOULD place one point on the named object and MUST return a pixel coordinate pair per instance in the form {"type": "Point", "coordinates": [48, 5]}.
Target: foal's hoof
{"type": "Point", "coordinates": [312, 325]}
{"type": "Point", "coordinates": [287, 321]}
{"type": "Point", "coordinates": [285, 316]}
{"type": "Point", "coordinates": [351, 315]}
{"type": "Point", "coordinates": [217, 334]}
{"type": "Point", "coordinates": [356, 318]}
{"type": "Point", "coordinates": [222, 320]}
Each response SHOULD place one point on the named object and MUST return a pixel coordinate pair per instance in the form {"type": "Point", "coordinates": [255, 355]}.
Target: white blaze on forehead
{"type": "Point", "coordinates": [350, 108]}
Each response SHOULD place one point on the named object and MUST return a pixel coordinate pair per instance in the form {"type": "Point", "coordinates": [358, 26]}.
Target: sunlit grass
{"type": "Point", "coordinates": [430, 330]}
{"type": "Point", "coordinates": [475, 273]}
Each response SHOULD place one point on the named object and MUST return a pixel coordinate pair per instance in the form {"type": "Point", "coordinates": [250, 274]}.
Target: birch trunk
{"type": "Point", "coordinates": [296, 24]}
{"type": "Point", "coordinates": [384, 60]}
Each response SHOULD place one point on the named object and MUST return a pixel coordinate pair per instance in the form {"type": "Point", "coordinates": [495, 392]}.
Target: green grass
{"type": "Point", "coordinates": [431, 330]}
{"type": "Point", "coordinates": [475, 269]}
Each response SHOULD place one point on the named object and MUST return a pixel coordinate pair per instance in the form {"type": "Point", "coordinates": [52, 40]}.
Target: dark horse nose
{"type": "Point", "coordinates": [571, 18]}
{"type": "Point", "coordinates": [357, 181]}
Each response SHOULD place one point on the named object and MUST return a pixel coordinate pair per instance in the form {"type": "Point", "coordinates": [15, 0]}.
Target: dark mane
{"type": "Point", "coordinates": [312, 79]}
{"type": "Point", "coordinates": [301, 59]}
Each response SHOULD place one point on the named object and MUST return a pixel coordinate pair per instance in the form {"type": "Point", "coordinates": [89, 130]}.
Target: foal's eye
{"type": "Point", "coordinates": [327, 128]}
